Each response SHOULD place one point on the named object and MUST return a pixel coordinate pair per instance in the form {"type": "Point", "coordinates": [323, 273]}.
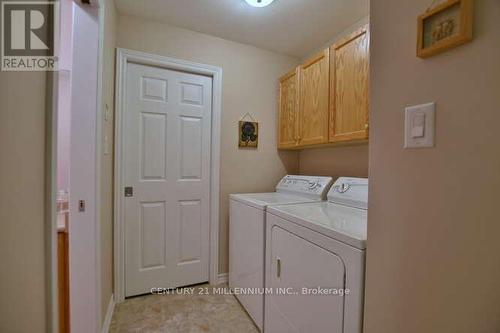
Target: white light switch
{"type": "Point", "coordinates": [106, 112]}
{"type": "Point", "coordinates": [106, 145]}
{"type": "Point", "coordinates": [419, 125]}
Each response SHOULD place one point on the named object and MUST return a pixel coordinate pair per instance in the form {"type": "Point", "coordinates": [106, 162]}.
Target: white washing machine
{"type": "Point", "coordinates": [315, 262]}
{"type": "Point", "coordinates": [247, 215]}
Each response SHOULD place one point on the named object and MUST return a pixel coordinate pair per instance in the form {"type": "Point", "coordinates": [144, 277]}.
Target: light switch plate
{"type": "Point", "coordinates": [420, 126]}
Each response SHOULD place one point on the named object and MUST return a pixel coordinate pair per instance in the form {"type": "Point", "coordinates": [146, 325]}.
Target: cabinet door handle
{"type": "Point", "coordinates": [278, 268]}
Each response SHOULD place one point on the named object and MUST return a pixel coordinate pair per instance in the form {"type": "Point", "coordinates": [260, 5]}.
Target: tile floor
{"type": "Point", "coordinates": [191, 312]}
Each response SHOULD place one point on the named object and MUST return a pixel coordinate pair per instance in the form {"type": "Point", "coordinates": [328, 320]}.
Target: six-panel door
{"type": "Point", "coordinates": [166, 160]}
{"type": "Point", "coordinates": [349, 84]}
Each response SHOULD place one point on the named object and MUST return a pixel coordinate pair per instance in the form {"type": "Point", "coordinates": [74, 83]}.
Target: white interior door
{"type": "Point", "coordinates": [166, 156]}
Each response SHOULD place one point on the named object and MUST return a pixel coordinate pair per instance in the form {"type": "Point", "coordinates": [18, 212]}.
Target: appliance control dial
{"type": "Point", "coordinates": [344, 187]}
{"type": "Point", "coordinates": [313, 184]}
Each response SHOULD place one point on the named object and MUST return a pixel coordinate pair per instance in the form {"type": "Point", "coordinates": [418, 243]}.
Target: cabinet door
{"type": "Point", "coordinates": [313, 100]}
{"type": "Point", "coordinates": [349, 75]}
{"type": "Point", "coordinates": [287, 122]}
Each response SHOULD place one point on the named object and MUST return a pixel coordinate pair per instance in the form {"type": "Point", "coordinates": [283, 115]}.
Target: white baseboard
{"type": "Point", "coordinates": [223, 278]}
{"type": "Point", "coordinates": [109, 315]}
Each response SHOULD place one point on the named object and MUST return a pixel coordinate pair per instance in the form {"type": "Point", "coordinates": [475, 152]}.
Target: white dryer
{"type": "Point", "coordinates": [247, 215]}
{"type": "Point", "coordinates": [315, 262]}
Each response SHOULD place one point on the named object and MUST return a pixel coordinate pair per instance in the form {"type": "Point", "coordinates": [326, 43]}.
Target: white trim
{"type": "Point", "coordinates": [51, 264]}
{"type": "Point", "coordinates": [51, 190]}
{"type": "Point", "coordinates": [84, 229]}
{"type": "Point", "coordinates": [98, 158]}
{"type": "Point", "coordinates": [223, 278]}
{"type": "Point", "coordinates": [123, 57]}
{"type": "Point", "coordinates": [98, 3]}
{"type": "Point", "coordinates": [109, 315]}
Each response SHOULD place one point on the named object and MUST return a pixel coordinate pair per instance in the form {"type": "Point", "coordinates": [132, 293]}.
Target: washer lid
{"type": "Point", "coordinates": [262, 200]}
{"type": "Point", "coordinates": [343, 223]}
{"type": "Point", "coordinates": [348, 191]}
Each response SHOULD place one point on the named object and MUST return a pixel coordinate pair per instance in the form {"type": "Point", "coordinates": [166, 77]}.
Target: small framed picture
{"type": "Point", "coordinates": [445, 26]}
{"type": "Point", "coordinates": [248, 134]}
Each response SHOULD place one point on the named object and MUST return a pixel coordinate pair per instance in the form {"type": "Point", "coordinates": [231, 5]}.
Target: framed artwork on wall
{"type": "Point", "coordinates": [248, 134]}
{"type": "Point", "coordinates": [445, 26]}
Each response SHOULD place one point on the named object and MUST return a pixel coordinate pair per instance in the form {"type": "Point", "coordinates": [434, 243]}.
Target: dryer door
{"type": "Point", "coordinates": [301, 267]}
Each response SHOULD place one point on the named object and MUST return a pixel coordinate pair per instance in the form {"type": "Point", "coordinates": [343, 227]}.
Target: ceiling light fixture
{"type": "Point", "coordinates": [259, 3]}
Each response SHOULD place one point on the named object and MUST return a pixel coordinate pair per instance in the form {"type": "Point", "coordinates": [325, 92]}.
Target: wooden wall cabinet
{"type": "Point", "coordinates": [288, 111]}
{"type": "Point", "coordinates": [303, 104]}
{"type": "Point", "coordinates": [324, 101]}
{"type": "Point", "coordinates": [349, 87]}
{"type": "Point", "coordinates": [313, 100]}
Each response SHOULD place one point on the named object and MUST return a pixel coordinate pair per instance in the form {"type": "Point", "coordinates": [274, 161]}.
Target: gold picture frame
{"type": "Point", "coordinates": [444, 27]}
{"type": "Point", "coordinates": [248, 134]}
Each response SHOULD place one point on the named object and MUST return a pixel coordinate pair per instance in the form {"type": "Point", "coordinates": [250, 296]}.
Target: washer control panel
{"type": "Point", "coordinates": [312, 185]}
{"type": "Point", "coordinates": [350, 191]}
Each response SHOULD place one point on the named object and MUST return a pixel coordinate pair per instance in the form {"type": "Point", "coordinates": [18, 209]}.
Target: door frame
{"type": "Point", "coordinates": [84, 228]}
{"type": "Point", "coordinates": [123, 58]}
{"type": "Point", "coordinates": [52, 91]}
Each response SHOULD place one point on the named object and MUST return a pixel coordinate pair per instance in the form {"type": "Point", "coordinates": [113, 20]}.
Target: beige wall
{"type": "Point", "coordinates": [106, 222]}
{"type": "Point", "coordinates": [22, 178]}
{"type": "Point", "coordinates": [433, 225]}
{"type": "Point", "coordinates": [250, 78]}
{"type": "Point", "coordinates": [344, 33]}
{"type": "Point", "coordinates": [336, 161]}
